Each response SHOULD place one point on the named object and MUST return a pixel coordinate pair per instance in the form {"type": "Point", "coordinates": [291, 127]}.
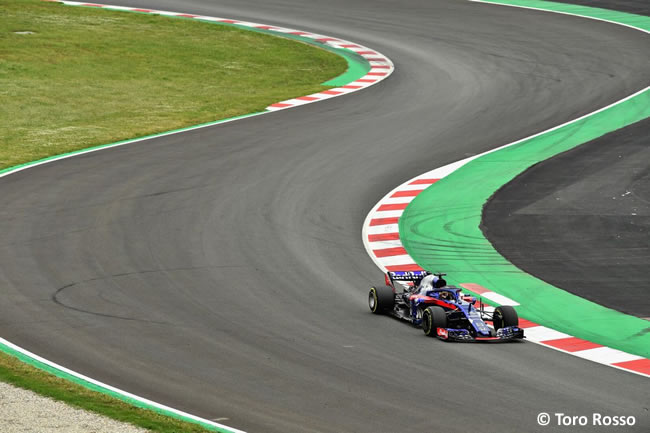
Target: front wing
{"type": "Point", "coordinates": [508, 333]}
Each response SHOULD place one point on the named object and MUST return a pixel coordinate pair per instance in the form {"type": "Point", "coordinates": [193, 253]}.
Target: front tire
{"type": "Point", "coordinates": [433, 318]}
{"type": "Point", "coordinates": [504, 316]}
{"type": "Point", "coordinates": [381, 299]}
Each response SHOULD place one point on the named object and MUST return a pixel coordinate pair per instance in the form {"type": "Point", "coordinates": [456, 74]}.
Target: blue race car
{"type": "Point", "coordinates": [442, 311]}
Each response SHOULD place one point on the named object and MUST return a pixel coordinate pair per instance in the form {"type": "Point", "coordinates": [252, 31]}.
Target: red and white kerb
{"type": "Point", "coordinates": [381, 239]}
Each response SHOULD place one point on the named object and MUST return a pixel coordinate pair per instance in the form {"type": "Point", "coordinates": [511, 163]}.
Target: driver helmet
{"type": "Point", "coordinates": [428, 282]}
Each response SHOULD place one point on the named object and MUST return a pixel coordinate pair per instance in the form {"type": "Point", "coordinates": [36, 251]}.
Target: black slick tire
{"type": "Point", "coordinates": [433, 318]}
{"type": "Point", "coordinates": [504, 316]}
{"type": "Point", "coordinates": [381, 299]}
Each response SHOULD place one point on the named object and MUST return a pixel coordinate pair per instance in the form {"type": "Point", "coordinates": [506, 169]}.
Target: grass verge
{"type": "Point", "coordinates": [17, 373]}
{"type": "Point", "coordinates": [83, 77]}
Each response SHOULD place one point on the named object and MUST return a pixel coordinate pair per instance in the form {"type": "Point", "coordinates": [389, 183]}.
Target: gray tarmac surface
{"type": "Point", "coordinates": [221, 271]}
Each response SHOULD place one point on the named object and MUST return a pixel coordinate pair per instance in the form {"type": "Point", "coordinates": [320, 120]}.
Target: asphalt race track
{"type": "Point", "coordinates": [221, 271]}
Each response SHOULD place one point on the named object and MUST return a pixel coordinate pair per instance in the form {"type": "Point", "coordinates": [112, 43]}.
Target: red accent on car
{"type": "Point", "coordinates": [440, 303]}
{"type": "Point", "coordinates": [442, 332]}
{"type": "Point", "coordinates": [434, 301]}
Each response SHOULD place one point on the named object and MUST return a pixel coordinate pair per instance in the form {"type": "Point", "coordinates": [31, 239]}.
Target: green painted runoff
{"type": "Point", "coordinates": [440, 228]}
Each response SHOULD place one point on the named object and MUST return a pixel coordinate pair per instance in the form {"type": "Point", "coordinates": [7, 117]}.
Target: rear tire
{"type": "Point", "coordinates": [381, 299]}
{"type": "Point", "coordinates": [432, 319]}
{"type": "Point", "coordinates": [504, 316]}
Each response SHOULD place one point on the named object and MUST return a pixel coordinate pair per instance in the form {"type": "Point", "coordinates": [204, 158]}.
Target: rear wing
{"type": "Point", "coordinates": [406, 276]}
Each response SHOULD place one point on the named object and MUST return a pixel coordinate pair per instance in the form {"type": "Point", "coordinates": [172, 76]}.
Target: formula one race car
{"type": "Point", "coordinates": [440, 310]}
